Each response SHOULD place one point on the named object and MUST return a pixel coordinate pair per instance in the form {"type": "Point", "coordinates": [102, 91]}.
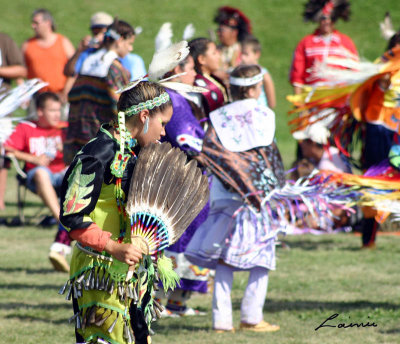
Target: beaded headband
{"type": "Point", "coordinates": [246, 81]}
{"type": "Point", "coordinates": [149, 104]}
{"type": "Point", "coordinates": [112, 34]}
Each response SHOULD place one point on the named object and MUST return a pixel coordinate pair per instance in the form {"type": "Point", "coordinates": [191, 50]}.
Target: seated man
{"type": "Point", "coordinates": [40, 145]}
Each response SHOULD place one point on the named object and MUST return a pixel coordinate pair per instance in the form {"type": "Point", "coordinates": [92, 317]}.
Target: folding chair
{"type": "Point", "coordinates": [21, 192]}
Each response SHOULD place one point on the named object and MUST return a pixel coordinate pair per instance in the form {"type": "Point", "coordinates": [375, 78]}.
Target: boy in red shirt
{"type": "Point", "coordinates": [40, 144]}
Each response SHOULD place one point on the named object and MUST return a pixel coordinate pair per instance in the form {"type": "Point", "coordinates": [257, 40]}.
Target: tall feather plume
{"type": "Point", "coordinates": [386, 27]}
{"type": "Point", "coordinates": [167, 59]}
{"type": "Point", "coordinates": [188, 32]}
{"type": "Point", "coordinates": [165, 196]}
{"type": "Point", "coordinates": [164, 37]}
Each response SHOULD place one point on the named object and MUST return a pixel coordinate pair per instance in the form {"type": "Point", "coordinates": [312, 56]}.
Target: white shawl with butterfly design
{"type": "Point", "coordinates": [243, 125]}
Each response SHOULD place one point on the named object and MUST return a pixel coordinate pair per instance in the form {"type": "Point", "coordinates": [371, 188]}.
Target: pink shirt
{"type": "Point", "coordinates": [332, 161]}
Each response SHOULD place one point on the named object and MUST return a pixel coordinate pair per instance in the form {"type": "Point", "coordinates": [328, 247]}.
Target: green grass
{"type": "Point", "coordinates": [277, 23]}
{"type": "Point", "coordinates": [317, 277]}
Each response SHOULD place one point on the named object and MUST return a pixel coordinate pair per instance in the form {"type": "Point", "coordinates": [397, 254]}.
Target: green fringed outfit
{"type": "Point", "coordinates": [107, 309]}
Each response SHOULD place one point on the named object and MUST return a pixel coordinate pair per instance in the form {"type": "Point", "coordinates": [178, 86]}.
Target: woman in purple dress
{"type": "Point", "coordinates": [186, 132]}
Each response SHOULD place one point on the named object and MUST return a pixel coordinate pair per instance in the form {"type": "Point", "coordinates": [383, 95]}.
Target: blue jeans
{"type": "Point", "coordinates": [55, 178]}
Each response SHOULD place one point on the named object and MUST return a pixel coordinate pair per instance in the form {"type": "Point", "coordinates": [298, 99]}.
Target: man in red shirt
{"type": "Point", "coordinates": [324, 42]}
{"type": "Point", "coordinates": [40, 145]}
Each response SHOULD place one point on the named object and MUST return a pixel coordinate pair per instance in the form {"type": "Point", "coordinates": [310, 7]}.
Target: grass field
{"type": "Point", "coordinates": [316, 278]}
{"type": "Point", "coordinates": [277, 23]}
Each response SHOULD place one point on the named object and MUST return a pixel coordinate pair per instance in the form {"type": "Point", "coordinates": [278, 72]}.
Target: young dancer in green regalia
{"type": "Point", "coordinates": [108, 307]}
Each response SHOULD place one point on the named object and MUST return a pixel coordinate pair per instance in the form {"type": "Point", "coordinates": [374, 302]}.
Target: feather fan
{"type": "Point", "coordinates": [165, 60]}
{"type": "Point", "coordinates": [165, 196]}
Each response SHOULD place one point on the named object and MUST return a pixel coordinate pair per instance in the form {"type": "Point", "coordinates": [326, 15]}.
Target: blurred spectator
{"type": "Point", "coordinates": [233, 27]}
{"type": "Point", "coordinates": [251, 54]}
{"type": "Point", "coordinates": [11, 61]}
{"type": "Point", "coordinates": [40, 145]}
{"type": "Point", "coordinates": [324, 42]}
{"type": "Point", "coordinates": [99, 22]}
{"type": "Point", "coordinates": [90, 43]}
{"type": "Point", "coordinates": [11, 67]}
{"type": "Point", "coordinates": [315, 147]}
{"type": "Point", "coordinates": [207, 59]}
{"type": "Point", "coordinates": [135, 65]}
{"type": "Point", "coordinates": [47, 53]}
{"type": "Point", "coordinates": [93, 98]}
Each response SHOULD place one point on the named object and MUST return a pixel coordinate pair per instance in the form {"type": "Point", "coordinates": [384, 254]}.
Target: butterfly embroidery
{"type": "Point", "coordinates": [244, 118]}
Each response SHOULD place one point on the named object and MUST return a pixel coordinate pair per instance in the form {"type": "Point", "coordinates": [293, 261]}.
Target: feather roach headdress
{"type": "Point", "coordinates": [162, 62]}
{"type": "Point", "coordinates": [335, 9]}
{"type": "Point", "coordinates": [165, 196]}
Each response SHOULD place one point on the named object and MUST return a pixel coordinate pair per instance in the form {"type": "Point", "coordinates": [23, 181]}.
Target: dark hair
{"type": "Point", "coordinates": [122, 28]}
{"type": "Point", "coordinates": [394, 40]}
{"type": "Point", "coordinates": [235, 19]}
{"type": "Point", "coordinates": [181, 65]}
{"type": "Point", "coordinates": [308, 165]}
{"type": "Point", "coordinates": [198, 46]}
{"type": "Point", "coordinates": [243, 71]}
{"type": "Point", "coordinates": [46, 15]}
{"type": "Point", "coordinates": [253, 43]}
{"type": "Point", "coordinates": [144, 91]}
{"type": "Point", "coordinates": [44, 97]}
{"type": "Point", "coordinates": [313, 10]}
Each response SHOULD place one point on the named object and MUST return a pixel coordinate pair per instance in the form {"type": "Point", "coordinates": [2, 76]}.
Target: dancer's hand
{"type": "Point", "coordinates": [126, 253]}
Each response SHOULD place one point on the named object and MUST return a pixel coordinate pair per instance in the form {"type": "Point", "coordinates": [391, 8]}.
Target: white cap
{"type": "Point", "coordinates": [100, 19]}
